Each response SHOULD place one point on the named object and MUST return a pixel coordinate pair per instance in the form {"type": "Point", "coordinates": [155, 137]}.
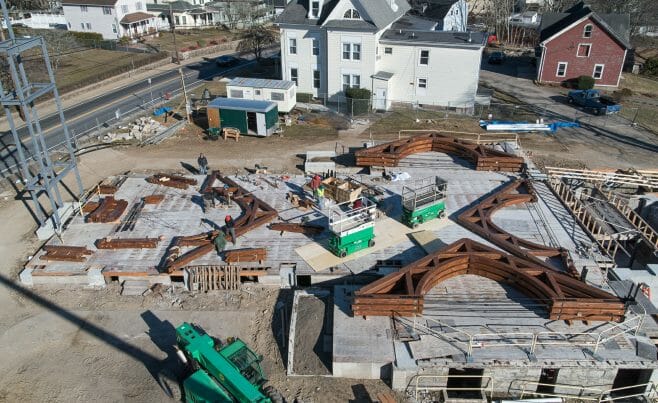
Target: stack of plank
{"type": "Point", "coordinates": [174, 181]}
{"type": "Point", "coordinates": [107, 189]}
{"type": "Point", "coordinates": [90, 206]}
{"type": "Point", "coordinates": [485, 159]}
{"type": "Point", "coordinates": [245, 255]}
{"type": "Point", "coordinates": [153, 199]}
{"type": "Point", "coordinates": [308, 229]}
{"type": "Point", "coordinates": [127, 243]}
{"type": "Point", "coordinates": [63, 253]}
{"type": "Point", "coordinates": [109, 210]}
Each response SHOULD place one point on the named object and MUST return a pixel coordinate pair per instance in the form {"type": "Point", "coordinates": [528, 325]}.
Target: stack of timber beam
{"type": "Point", "coordinates": [245, 255]}
{"type": "Point", "coordinates": [107, 189]}
{"type": "Point", "coordinates": [127, 243]}
{"type": "Point", "coordinates": [153, 199]}
{"type": "Point", "coordinates": [485, 159]}
{"type": "Point", "coordinates": [109, 210]}
{"type": "Point", "coordinates": [62, 253]}
{"type": "Point", "coordinates": [173, 181]}
{"type": "Point", "coordinates": [308, 229]}
{"type": "Point", "coordinates": [387, 305]}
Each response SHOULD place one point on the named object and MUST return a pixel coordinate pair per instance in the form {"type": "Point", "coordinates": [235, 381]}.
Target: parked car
{"type": "Point", "coordinates": [227, 61]}
{"type": "Point", "coordinates": [592, 99]}
{"type": "Point", "coordinates": [496, 58]}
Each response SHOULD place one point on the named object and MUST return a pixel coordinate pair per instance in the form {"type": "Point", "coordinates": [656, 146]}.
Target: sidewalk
{"type": "Point", "coordinates": [81, 95]}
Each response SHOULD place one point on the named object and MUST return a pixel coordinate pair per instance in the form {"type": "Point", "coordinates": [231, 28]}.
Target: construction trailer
{"type": "Point", "coordinates": [283, 92]}
{"type": "Point", "coordinates": [260, 118]}
{"type": "Point", "coordinates": [352, 226]}
{"type": "Point", "coordinates": [424, 200]}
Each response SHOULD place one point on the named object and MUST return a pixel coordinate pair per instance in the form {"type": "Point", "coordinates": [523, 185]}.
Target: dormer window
{"type": "Point", "coordinates": [351, 14]}
{"type": "Point", "coordinates": [587, 31]}
{"type": "Point", "coordinates": [315, 8]}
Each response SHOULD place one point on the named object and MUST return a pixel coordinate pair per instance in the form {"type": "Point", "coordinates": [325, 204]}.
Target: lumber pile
{"type": "Point", "coordinates": [485, 159]}
{"type": "Point", "coordinates": [153, 199]}
{"type": "Point", "coordinates": [64, 253]}
{"type": "Point", "coordinates": [90, 206]}
{"type": "Point", "coordinates": [107, 189]}
{"type": "Point", "coordinates": [173, 181]}
{"type": "Point", "coordinates": [308, 229]}
{"type": "Point", "coordinates": [127, 243]}
{"type": "Point", "coordinates": [109, 210]}
{"type": "Point", "coordinates": [299, 202]}
{"type": "Point", "coordinates": [245, 255]}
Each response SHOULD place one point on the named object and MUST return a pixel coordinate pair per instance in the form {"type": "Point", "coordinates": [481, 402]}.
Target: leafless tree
{"type": "Point", "coordinates": [255, 39]}
{"type": "Point", "coordinates": [642, 12]}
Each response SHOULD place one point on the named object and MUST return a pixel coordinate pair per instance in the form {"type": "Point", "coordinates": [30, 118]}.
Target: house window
{"type": "Point", "coordinates": [257, 92]}
{"type": "Point", "coordinates": [561, 69]}
{"type": "Point", "coordinates": [351, 14]}
{"type": "Point", "coordinates": [316, 47]}
{"type": "Point", "coordinates": [177, 20]}
{"type": "Point", "coordinates": [292, 46]}
{"type": "Point", "coordinates": [315, 8]}
{"type": "Point", "coordinates": [124, 9]}
{"type": "Point", "coordinates": [69, 25]}
{"type": "Point", "coordinates": [183, 20]}
{"type": "Point", "coordinates": [424, 57]}
{"type": "Point", "coordinates": [388, 51]}
{"type": "Point", "coordinates": [84, 9]}
{"type": "Point", "coordinates": [138, 5]}
{"type": "Point", "coordinates": [356, 51]}
{"type": "Point", "coordinates": [237, 94]}
{"type": "Point", "coordinates": [107, 10]}
{"type": "Point", "coordinates": [587, 31]}
{"type": "Point", "coordinates": [88, 25]}
{"type": "Point", "coordinates": [316, 78]}
{"type": "Point", "coordinates": [82, 24]}
{"type": "Point", "coordinates": [351, 80]}
{"type": "Point", "coordinates": [351, 51]}
{"type": "Point", "coordinates": [422, 83]}
{"type": "Point", "coordinates": [114, 28]}
{"type": "Point", "coordinates": [293, 76]}
{"type": "Point", "coordinates": [276, 96]}
{"type": "Point", "coordinates": [584, 49]}
{"type": "Point", "coordinates": [598, 71]}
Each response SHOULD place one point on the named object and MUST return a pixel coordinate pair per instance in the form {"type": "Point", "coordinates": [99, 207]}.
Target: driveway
{"type": "Point", "coordinates": [600, 142]}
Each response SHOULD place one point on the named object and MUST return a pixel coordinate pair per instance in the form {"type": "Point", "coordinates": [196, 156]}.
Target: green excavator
{"type": "Point", "coordinates": [221, 372]}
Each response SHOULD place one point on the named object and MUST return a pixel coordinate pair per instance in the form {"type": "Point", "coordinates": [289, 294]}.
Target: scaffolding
{"type": "Point", "coordinates": [23, 96]}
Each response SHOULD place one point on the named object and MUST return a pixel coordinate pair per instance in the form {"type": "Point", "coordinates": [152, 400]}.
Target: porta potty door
{"type": "Point", "coordinates": [262, 127]}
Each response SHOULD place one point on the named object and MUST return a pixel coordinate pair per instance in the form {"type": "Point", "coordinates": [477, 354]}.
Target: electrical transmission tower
{"type": "Point", "coordinates": [40, 174]}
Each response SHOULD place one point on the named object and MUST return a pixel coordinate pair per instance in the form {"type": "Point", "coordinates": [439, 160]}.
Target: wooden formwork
{"type": "Point", "coordinates": [210, 278]}
{"type": "Point", "coordinates": [566, 298]}
{"type": "Point", "coordinates": [484, 158]}
{"type": "Point", "coordinates": [109, 210]}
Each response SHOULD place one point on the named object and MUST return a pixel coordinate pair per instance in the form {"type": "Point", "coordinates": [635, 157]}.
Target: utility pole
{"type": "Point", "coordinates": [173, 31]}
{"type": "Point", "coordinates": [187, 105]}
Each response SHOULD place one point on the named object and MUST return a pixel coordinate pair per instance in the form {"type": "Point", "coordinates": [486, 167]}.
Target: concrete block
{"type": "Point", "coordinates": [95, 277]}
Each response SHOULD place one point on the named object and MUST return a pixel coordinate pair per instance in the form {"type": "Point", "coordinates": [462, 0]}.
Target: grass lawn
{"type": "Point", "coordinates": [185, 39]}
{"type": "Point", "coordinates": [403, 119]}
{"type": "Point", "coordinates": [639, 84]}
{"type": "Point", "coordinates": [642, 106]}
{"type": "Point", "coordinates": [78, 69]}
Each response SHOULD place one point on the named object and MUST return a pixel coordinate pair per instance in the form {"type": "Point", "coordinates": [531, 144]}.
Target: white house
{"type": "Point", "coordinates": [185, 14]}
{"type": "Point", "coordinates": [111, 18]}
{"type": "Point", "coordinates": [450, 15]}
{"type": "Point", "coordinates": [328, 46]}
{"type": "Point", "coordinates": [280, 91]}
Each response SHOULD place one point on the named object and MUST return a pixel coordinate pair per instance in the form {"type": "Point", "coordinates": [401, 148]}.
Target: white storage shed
{"type": "Point", "coordinates": [283, 92]}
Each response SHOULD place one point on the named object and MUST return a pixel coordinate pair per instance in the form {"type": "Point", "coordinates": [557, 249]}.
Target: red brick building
{"type": "Point", "coordinates": [581, 42]}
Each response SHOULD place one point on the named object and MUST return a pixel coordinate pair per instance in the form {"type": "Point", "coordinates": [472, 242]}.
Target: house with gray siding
{"type": "Point", "coordinates": [329, 46]}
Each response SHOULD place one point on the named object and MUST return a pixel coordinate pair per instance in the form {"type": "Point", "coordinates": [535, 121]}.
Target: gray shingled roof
{"type": "Point", "coordinates": [618, 25]}
{"type": "Point", "coordinates": [379, 12]}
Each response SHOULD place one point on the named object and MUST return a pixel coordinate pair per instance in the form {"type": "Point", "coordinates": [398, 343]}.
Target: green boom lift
{"type": "Point", "coordinates": [423, 201]}
{"type": "Point", "coordinates": [352, 226]}
{"type": "Point", "coordinates": [229, 372]}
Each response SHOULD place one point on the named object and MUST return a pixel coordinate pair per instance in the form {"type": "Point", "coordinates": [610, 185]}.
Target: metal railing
{"type": "Point", "coordinates": [530, 340]}
{"type": "Point", "coordinates": [485, 389]}
{"type": "Point", "coordinates": [586, 394]}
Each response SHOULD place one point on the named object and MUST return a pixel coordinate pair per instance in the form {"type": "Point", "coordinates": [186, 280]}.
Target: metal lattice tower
{"type": "Point", "coordinates": [49, 174]}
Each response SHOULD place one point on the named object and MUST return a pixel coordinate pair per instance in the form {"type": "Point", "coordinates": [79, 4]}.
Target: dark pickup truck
{"type": "Point", "coordinates": [592, 99]}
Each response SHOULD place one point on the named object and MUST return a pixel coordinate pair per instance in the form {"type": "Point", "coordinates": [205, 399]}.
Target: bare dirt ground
{"type": "Point", "coordinates": [60, 344]}
{"type": "Point", "coordinates": [310, 357]}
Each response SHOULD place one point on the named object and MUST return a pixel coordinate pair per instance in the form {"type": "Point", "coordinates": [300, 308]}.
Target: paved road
{"type": "Point", "coordinates": [85, 117]}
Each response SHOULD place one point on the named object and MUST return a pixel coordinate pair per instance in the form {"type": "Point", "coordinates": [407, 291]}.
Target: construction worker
{"type": "Point", "coordinates": [357, 204]}
{"type": "Point", "coordinates": [220, 243]}
{"type": "Point", "coordinates": [319, 196]}
{"type": "Point", "coordinates": [203, 164]}
{"type": "Point", "coordinates": [230, 227]}
{"type": "Point", "coordinates": [316, 181]}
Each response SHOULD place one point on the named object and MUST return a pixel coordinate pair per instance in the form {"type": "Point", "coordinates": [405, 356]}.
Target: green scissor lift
{"type": "Point", "coordinates": [222, 373]}
{"type": "Point", "coordinates": [352, 229]}
{"type": "Point", "coordinates": [423, 201]}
